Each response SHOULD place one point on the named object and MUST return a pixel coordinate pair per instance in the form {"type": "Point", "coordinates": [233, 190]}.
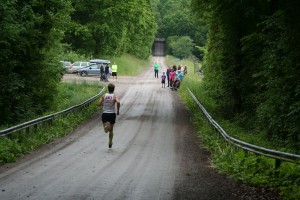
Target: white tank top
{"type": "Point", "coordinates": [109, 103]}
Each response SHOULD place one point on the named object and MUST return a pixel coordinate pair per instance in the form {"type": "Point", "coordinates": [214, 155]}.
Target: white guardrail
{"type": "Point", "coordinates": [34, 122]}
{"type": "Point", "coordinates": [277, 155]}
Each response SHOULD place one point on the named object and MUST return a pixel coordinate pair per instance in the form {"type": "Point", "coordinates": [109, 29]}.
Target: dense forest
{"type": "Point", "coordinates": [250, 52]}
{"type": "Point", "coordinates": [251, 68]}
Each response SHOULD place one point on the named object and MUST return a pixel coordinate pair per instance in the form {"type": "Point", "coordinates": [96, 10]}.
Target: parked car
{"type": "Point", "coordinates": [92, 70]}
{"type": "Point", "coordinates": [66, 65]}
{"type": "Point", "coordinates": [77, 65]}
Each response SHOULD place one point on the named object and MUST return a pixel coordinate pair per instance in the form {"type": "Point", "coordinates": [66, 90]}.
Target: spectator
{"type": "Point", "coordinates": [114, 70]}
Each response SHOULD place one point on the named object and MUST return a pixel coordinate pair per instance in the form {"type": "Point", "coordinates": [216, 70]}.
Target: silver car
{"type": "Point", "coordinates": [91, 70]}
{"type": "Point", "coordinates": [77, 65]}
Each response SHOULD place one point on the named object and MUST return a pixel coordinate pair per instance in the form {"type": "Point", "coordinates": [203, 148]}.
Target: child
{"type": "Point", "coordinates": [163, 80]}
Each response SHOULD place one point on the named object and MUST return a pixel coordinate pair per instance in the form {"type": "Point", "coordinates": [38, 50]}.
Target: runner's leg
{"type": "Point", "coordinates": [111, 135]}
{"type": "Point", "coordinates": [106, 126]}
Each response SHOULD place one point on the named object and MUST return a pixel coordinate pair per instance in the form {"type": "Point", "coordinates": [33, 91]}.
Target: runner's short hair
{"type": "Point", "coordinates": [111, 87]}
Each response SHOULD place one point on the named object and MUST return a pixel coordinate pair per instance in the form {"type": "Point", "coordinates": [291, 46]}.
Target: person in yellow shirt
{"type": "Point", "coordinates": [114, 68]}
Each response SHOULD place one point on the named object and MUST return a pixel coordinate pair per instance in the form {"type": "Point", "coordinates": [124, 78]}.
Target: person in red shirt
{"type": "Point", "coordinates": [172, 77]}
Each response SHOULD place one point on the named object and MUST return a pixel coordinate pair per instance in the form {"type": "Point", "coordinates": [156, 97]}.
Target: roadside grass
{"type": "Point", "coordinates": [129, 65]}
{"type": "Point", "coordinates": [73, 93]}
{"type": "Point", "coordinates": [70, 94]}
{"type": "Point", "coordinates": [232, 161]}
{"type": "Point", "coordinates": [171, 60]}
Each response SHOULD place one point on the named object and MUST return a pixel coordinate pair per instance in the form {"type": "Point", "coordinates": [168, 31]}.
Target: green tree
{"type": "Point", "coordinates": [112, 27]}
{"type": "Point", "coordinates": [251, 64]}
{"type": "Point", "coordinates": [181, 47]}
{"type": "Point", "coordinates": [30, 32]}
{"type": "Point", "coordinates": [176, 19]}
{"type": "Point", "coordinates": [279, 75]}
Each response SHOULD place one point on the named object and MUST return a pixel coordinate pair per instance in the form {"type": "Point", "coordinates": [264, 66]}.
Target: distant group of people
{"type": "Point", "coordinates": [173, 76]}
{"type": "Point", "coordinates": [107, 71]}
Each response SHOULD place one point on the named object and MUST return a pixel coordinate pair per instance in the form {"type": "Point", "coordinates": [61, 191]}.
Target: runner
{"type": "Point", "coordinates": [108, 111]}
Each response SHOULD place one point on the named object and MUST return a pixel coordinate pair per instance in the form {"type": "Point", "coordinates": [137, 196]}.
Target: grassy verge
{"type": "Point", "coordinates": [230, 160]}
{"type": "Point", "coordinates": [129, 65]}
{"type": "Point", "coordinates": [171, 60]}
{"type": "Point", "coordinates": [70, 94]}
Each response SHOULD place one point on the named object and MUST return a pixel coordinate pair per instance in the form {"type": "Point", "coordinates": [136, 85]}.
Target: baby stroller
{"type": "Point", "coordinates": [176, 84]}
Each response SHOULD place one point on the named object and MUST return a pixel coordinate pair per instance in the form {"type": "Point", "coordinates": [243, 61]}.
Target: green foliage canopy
{"type": "Point", "coordinates": [30, 32]}
{"type": "Point", "coordinates": [112, 27]}
{"type": "Point", "coordinates": [174, 18]}
{"type": "Point", "coordinates": [181, 47]}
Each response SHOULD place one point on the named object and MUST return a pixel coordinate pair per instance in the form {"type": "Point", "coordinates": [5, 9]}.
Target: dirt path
{"type": "Point", "coordinates": [155, 155]}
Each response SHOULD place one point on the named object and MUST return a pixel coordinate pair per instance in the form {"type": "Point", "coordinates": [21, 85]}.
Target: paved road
{"type": "Point", "coordinates": [155, 155]}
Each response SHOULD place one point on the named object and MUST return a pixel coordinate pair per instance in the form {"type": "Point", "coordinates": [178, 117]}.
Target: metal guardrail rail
{"type": "Point", "coordinates": [277, 155]}
{"type": "Point", "coordinates": [28, 124]}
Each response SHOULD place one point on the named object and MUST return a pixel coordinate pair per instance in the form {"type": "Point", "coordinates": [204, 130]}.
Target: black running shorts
{"type": "Point", "coordinates": [114, 74]}
{"type": "Point", "coordinates": [109, 117]}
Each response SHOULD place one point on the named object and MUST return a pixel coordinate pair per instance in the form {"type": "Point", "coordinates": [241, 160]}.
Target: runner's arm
{"type": "Point", "coordinates": [118, 105]}
{"type": "Point", "coordinates": [101, 101]}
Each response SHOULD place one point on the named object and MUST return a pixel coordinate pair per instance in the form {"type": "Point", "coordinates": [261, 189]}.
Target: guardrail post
{"type": "Point", "coordinates": [50, 122]}
{"type": "Point", "coordinates": [277, 164]}
{"type": "Point", "coordinates": [35, 128]}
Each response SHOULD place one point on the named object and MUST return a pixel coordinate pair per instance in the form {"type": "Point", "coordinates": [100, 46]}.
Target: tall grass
{"type": "Point", "coordinates": [171, 60]}
{"type": "Point", "coordinates": [129, 65]}
{"type": "Point", "coordinates": [73, 93]}
{"type": "Point", "coordinates": [238, 164]}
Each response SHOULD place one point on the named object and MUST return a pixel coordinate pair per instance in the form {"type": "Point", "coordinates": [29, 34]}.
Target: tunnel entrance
{"type": "Point", "coordinates": [159, 47]}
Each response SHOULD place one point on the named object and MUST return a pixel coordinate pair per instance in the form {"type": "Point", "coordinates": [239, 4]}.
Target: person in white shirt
{"type": "Point", "coordinates": [108, 102]}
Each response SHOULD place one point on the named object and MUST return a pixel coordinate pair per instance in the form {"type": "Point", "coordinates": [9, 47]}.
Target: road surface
{"type": "Point", "coordinates": [155, 155]}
